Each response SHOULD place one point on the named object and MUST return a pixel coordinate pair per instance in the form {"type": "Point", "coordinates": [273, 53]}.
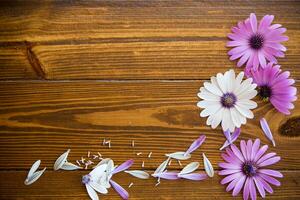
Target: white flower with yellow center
{"type": "Point", "coordinates": [226, 100]}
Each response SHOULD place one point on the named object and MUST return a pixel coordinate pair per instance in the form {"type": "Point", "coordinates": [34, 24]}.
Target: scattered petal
{"type": "Point", "coordinates": [92, 193]}
{"type": "Point", "coordinates": [234, 137]}
{"type": "Point", "coordinates": [195, 145]}
{"type": "Point", "coordinates": [207, 166]}
{"type": "Point", "coordinates": [123, 166]}
{"type": "Point", "coordinates": [193, 176]}
{"type": "Point", "coordinates": [61, 160]}
{"type": "Point", "coordinates": [138, 173]}
{"type": "Point", "coordinates": [162, 166]}
{"type": "Point", "coordinates": [70, 166]}
{"type": "Point", "coordinates": [34, 167]}
{"type": "Point", "coordinates": [167, 175]}
{"type": "Point", "coordinates": [266, 129]}
{"type": "Point", "coordinates": [34, 177]}
{"type": "Point", "coordinates": [228, 136]}
{"type": "Point", "coordinates": [190, 168]}
{"type": "Point", "coordinates": [179, 155]}
{"type": "Point", "coordinates": [120, 190]}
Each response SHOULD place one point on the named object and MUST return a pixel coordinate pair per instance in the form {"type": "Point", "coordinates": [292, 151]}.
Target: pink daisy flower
{"type": "Point", "coordinates": [255, 43]}
{"type": "Point", "coordinates": [244, 169]}
{"type": "Point", "coordinates": [275, 86]}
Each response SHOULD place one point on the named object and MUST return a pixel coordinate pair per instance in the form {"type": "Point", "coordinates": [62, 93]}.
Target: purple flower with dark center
{"type": "Point", "coordinates": [254, 43]}
{"type": "Point", "coordinates": [244, 169]}
{"type": "Point", "coordinates": [275, 86]}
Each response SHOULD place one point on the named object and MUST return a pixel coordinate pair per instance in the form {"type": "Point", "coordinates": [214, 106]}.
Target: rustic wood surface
{"type": "Point", "coordinates": [73, 73]}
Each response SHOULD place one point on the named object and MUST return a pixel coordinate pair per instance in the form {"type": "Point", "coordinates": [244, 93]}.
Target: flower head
{"type": "Point", "coordinates": [226, 100]}
{"type": "Point", "coordinates": [275, 86]}
{"type": "Point", "coordinates": [244, 169]}
{"type": "Point", "coordinates": [254, 43]}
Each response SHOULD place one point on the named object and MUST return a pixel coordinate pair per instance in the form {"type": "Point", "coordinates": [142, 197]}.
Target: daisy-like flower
{"type": "Point", "coordinates": [275, 86]}
{"type": "Point", "coordinates": [245, 169]}
{"type": "Point", "coordinates": [255, 43]}
{"type": "Point", "coordinates": [226, 100]}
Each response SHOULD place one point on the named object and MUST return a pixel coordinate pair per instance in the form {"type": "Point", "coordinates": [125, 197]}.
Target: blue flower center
{"type": "Point", "coordinates": [228, 100]}
{"type": "Point", "coordinates": [256, 41]}
{"type": "Point", "coordinates": [249, 169]}
{"type": "Point", "coordinates": [86, 179]}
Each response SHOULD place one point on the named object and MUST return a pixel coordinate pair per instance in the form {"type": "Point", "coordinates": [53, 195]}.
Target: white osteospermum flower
{"type": "Point", "coordinates": [226, 100]}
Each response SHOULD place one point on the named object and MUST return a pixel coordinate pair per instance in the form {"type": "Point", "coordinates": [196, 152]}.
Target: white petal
{"type": "Point", "coordinates": [222, 82]}
{"type": "Point", "coordinates": [93, 195]}
{"type": "Point", "coordinates": [213, 89]}
{"type": "Point", "coordinates": [138, 174]}
{"type": "Point", "coordinates": [244, 111]}
{"type": "Point", "coordinates": [217, 118]}
{"type": "Point", "coordinates": [34, 177]}
{"type": "Point", "coordinates": [235, 117]}
{"type": "Point", "coordinates": [70, 166]}
{"type": "Point", "coordinates": [239, 79]}
{"type": "Point", "coordinates": [190, 168]}
{"type": "Point", "coordinates": [162, 166]}
{"type": "Point", "coordinates": [34, 167]}
{"type": "Point", "coordinates": [207, 166]}
{"type": "Point", "coordinates": [99, 188]}
{"type": "Point", "coordinates": [248, 103]}
{"type": "Point", "coordinates": [247, 95]}
{"type": "Point", "coordinates": [245, 85]}
{"type": "Point", "coordinates": [206, 95]}
{"type": "Point", "coordinates": [104, 161]}
{"type": "Point", "coordinates": [61, 160]}
{"type": "Point", "coordinates": [205, 103]}
{"type": "Point", "coordinates": [98, 171]}
{"type": "Point", "coordinates": [226, 119]}
{"type": "Point", "coordinates": [104, 180]}
{"type": "Point", "coordinates": [230, 77]}
{"type": "Point", "coordinates": [179, 155]}
{"type": "Point", "coordinates": [210, 110]}
{"type": "Point", "coordinates": [215, 82]}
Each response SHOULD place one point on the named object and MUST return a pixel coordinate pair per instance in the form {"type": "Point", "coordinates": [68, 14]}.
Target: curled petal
{"type": "Point", "coordinates": [120, 190]}
{"type": "Point", "coordinates": [138, 174]}
{"type": "Point", "coordinates": [208, 166]}
{"type": "Point", "coordinates": [196, 144]}
{"type": "Point", "coordinates": [34, 177]}
{"type": "Point", "coordinates": [162, 166]}
{"type": "Point", "coordinates": [123, 166]}
{"type": "Point", "coordinates": [190, 168]}
{"type": "Point", "coordinates": [179, 155]}
{"type": "Point", "coordinates": [92, 193]}
{"type": "Point", "coordinates": [266, 129]}
{"type": "Point", "coordinates": [61, 160]}
{"type": "Point", "coordinates": [34, 167]}
{"type": "Point", "coordinates": [193, 176]}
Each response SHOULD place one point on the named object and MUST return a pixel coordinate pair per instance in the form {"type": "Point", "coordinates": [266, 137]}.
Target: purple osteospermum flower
{"type": "Point", "coordinates": [275, 86]}
{"type": "Point", "coordinates": [254, 43]}
{"type": "Point", "coordinates": [244, 169]}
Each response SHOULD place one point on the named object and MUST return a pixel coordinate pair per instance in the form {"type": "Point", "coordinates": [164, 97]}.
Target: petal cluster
{"type": "Point", "coordinates": [254, 43]}
{"type": "Point", "coordinates": [245, 171]}
{"type": "Point", "coordinates": [227, 100]}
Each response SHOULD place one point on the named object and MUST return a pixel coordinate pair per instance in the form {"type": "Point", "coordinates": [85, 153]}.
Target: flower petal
{"type": "Point", "coordinates": [239, 185]}
{"type": "Point", "coordinates": [208, 166]}
{"type": "Point", "coordinates": [61, 160]}
{"type": "Point", "coordinates": [70, 166]}
{"type": "Point", "coordinates": [269, 161]}
{"type": "Point", "coordinates": [168, 175]}
{"type": "Point", "coordinates": [138, 173]}
{"type": "Point", "coordinates": [34, 177]}
{"type": "Point", "coordinates": [34, 167]}
{"type": "Point", "coordinates": [99, 188]}
{"type": "Point", "coordinates": [190, 168]}
{"type": "Point", "coordinates": [98, 171]}
{"type": "Point", "coordinates": [162, 166]}
{"type": "Point", "coordinates": [271, 172]}
{"type": "Point", "coordinates": [193, 176]}
{"type": "Point", "coordinates": [120, 190]}
{"type": "Point", "coordinates": [179, 155]}
{"type": "Point", "coordinates": [259, 187]}
{"type": "Point", "coordinates": [266, 129]}
{"type": "Point", "coordinates": [196, 144]}
{"type": "Point", "coordinates": [123, 166]}
{"type": "Point", "coordinates": [92, 193]}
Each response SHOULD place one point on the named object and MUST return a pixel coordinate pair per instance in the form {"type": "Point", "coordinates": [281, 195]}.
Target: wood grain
{"type": "Point", "coordinates": [135, 39]}
{"type": "Point", "coordinates": [67, 185]}
{"type": "Point", "coordinates": [161, 117]}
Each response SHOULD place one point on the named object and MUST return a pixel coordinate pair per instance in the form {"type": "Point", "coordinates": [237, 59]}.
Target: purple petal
{"type": "Point", "coordinates": [260, 187]}
{"type": "Point", "coordinates": [194, 176]}
{"type": "Point", "coordinates": [252, 189]}
{"type": "Point", "coordinates": [271, 172]}
{"type": "Point", "coordinates": [120, 190]}
{"type": "Point", "coordinates": [266, 129]}
{"type": "Point", "coordinates": [266, 185]}
{"type": "Point", "coordinates": [231, 177]}
{"type": "Point", "coordinates": [246, 191]}
{"type": "Point", "coordinates": [234, 137]}
{"type": "Point", "coordinates": [260, 152]}
{"type": "Point", "coordinates": [270, 179]}
{"type": "Point", "coordinates": [228, 171]}
{"type": "Point", "coordinates": [168, 175]}
{"type": "Point", "coordinates": [237, 152]}
{"type": "Point", "coordinates": [270, 161]}
{"type": "Point", "coordinates": [239, 185]}
{"type": "Point", "coordinates": [196, 144]}
{"type": "Point", "coordinates": [253, 22]}
{"type": "Point", "coordinates": [124, 166]}
{"type": "Point", "coordinates": [227, 135]}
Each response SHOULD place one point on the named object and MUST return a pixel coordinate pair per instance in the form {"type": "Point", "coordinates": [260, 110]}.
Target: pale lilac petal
{"type": "Point", "coordinates": [231, 185]}
{"type": "Point", "coordinates": [270, 179]}
{"type": "Point", "coordinates": [260, 152]}
{"type": "Point", "coordinates": [237, 152]}
{"type": "Point", "coordinates": [227, 135]}
{"type": "Point", "coordinates": [265, 157]}
{"type": "Point", "coordinates": [252, 189]}
{"type": "Point", "coordinates": [253, 22]}
{"type": "Point", "coordinates": [246, 191]}
{"type": "Point", "coordinates": [271, 172]}
{"type": "Point", "coordinates": [196, 144]}
{"type": "Point", "coordinates": [168, 175]}
{"type": "Point", "coordinates": [266, 185]}
{"type": "Point", "coordinates": [231, 177]}
{"type": "Point", "coordinates": [266, 129]}
{"type": "Point", "coordinates": [234, 136]}
{"type": "Point", "coordinates": [194, 176]}
{"type": "Point", "coordinates": [120, 190]}
{"type": "Point", "coordinates": [124, 166]}
{"type": "Point", "coordinates": [260, 187]}
{"type": "Point", "coordinates": [228, 171]}
{"type": "Point", "coordinates": [239, 185]}
{"type": "Point", "coordinates": [255, 148]}
{"type": "Point", "coordinates": [270, 161]}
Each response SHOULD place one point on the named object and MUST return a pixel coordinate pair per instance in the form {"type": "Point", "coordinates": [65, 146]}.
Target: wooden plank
{"type": "Point", "coordinates": [132, 39]}
{"type": "Point", "coordinates": [66, 185]}
{"type": "Point", "coordinates": [40, 120]}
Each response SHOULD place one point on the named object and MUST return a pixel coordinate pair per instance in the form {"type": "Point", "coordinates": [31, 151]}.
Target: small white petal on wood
{"type": "Point", "coordinates": [138, 173]}
{"type": "Point", "coordinates": [179, 155]}
{"type": "Point", "coordinates": [92, 193]}
{"type": "Point", "coordinates": [34, 167]}
{"type": "Point", "coordinates": [98, 187]}
{"type": "Point", "coordinates": [190, 168]}
{"type": "Point", "coordinates": [207, 166]}
{"type": "Point", "coordinates": [61, 160]}
{"type": "Point", "coordinates": [34, 177]}
{"type": "Point", "coordinates": [162, 166]}
{"type": "Point", "coordinates": [70, 166]}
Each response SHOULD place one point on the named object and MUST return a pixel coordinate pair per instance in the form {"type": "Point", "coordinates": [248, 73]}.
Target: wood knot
{"type": "Point", "coordinates": [291, 127]}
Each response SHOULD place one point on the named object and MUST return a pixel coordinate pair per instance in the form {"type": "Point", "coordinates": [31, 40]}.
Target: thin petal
{"type": "Point", "coordinates": [34, 167]}
{"type": "Point", "coordinates": [208, 166]}
{"type": "Point", "coordinates": [61, 160]}
{"type": "Point", "coordinates": [260, 187]}
{"type": "Point", "coordinates": [138, 173]}
{"type": "Point", "coordinates": [266, 129]}
{"type": "Point", "coordinates": [123, 166]}
{"type": "Point", "coordinates": [271, 172]}
{"type": "Point", "coordinates": [162, 166]}
{"type": "Point", "coordinates": [194, 176]}
{"type": "Point", "coordinates": [92, 193]}
{"type": "Point", "coordinates": [34, 177]}
{"type": "Point", "coordinates": [99, 188]}
{"type": "Point", "coordinates": [193, 166]}
{"type": "Point", "coordinates": [120, 190]}
{"type": "Point", "coordinates": [70, 166]}
{"type": "Point", "coordinates": [168, 175]}
{"type": "Point", "coordinates": [179, 155]}
{"type": "Point", "coordinates": [239, 185]}
{"type": "Point", "coordinates": [196, 144]}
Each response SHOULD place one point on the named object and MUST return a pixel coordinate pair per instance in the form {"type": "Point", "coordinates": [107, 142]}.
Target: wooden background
{"type": "Point", "coordinates": [75, 72]}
